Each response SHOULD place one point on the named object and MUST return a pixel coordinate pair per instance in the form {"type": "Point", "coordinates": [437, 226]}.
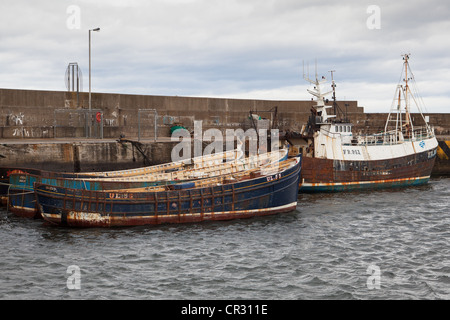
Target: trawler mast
{"type": "Point", "coordinates": [408, 124]}
{"type": "Point", "coordinates": [405, 126]}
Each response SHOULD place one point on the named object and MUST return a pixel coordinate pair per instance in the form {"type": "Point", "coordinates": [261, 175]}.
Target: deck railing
{"type": "Point", "coordinates": [395, 137]}
{"type": "Point", "coordinates": [386, 138]}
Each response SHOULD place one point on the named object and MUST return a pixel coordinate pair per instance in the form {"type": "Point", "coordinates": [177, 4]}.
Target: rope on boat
{"type": "Point", "coordinates": [8, 194]}
{"type": "Point", "coordinates": [7, 198]}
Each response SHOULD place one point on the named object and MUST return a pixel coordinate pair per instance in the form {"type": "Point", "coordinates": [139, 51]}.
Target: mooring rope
{"type": "Point", "coordinates": [7, 199]}
{"type": "Point", "coordinates": [8, 194]}
{"type": "Point", "coordinates": [20, 193]}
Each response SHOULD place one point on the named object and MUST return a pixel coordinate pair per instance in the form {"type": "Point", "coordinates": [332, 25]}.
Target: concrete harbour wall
{"type": "Point", "coordinates": [57, 114]}
{"type": "Point", "coordinates": [66, 156]}
{"type": "Point", "coordinates": [47, 129]}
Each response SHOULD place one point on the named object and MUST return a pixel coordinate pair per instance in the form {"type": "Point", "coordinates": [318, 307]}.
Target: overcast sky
{"type": "Point", "coordinates": [230, 48]}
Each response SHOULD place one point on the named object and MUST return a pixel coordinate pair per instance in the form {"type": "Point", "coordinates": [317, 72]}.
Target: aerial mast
{"type": "Point", "coordinates": [317, 92]}
{"type": "Point", "coordinates": [333, 86]}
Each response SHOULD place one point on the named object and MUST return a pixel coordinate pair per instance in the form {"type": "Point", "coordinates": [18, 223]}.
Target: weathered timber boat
{"type": "Point", "coordinates": [262, 191]}
{"type": "Point", "coordinates": [20, 192]}
{"type": "Point", "coordinates": [22, 201]}
{"type": "Point", "coordinates": [9, 180]}
{"type": "Point", "coordinates": [196, 162]}
{"type": "Point", "coordinates": [336, 160]}
{"type": "Point", "coordinates": [5, 172]}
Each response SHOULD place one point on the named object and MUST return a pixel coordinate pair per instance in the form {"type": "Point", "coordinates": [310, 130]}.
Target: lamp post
{"type": "Point", "coordinates": [90, 107]}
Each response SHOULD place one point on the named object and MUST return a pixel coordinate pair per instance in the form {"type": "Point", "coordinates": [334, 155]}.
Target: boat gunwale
{"type": "Point", "coordinates": [38, 186]}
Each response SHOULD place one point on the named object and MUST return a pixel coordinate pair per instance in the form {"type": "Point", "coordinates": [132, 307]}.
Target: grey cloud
{"type": "Point", "coordinates": [219, 47]}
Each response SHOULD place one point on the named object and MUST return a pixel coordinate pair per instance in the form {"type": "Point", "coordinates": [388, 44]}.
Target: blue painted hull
{"type": "Point", "coordinates": [5, 173]}
{"type": "Point", "coordinates": [248, 198]}
{"type": "Point", "coordinates": [18, 183]}
{"type": "Point", "coordinates": [21, 192]}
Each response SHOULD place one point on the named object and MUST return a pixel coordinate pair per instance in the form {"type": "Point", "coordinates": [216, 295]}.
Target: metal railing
{"type": "Point", "coordinates": [90, 120]}
{"type": "Point", "coordinates": [395, 137]}
{"type": "Point", "coordinates": [386, 138]}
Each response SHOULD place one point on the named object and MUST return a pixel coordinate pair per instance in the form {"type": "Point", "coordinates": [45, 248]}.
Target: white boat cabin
{"type": "Point", "coordinates": [343, 130]}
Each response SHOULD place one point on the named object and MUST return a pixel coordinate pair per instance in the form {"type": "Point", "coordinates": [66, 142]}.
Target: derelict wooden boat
{"type": "Point", "coordinates": [19, 196]}
{"type": "Point", "coordinates": [261, 191]}
{"type": "Point", "coordinates": [5, 172]}
{"type": "Point", "coordinates": [22, 202]}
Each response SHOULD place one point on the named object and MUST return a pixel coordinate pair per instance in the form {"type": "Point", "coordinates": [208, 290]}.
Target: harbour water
{"type": "Point", "coordinates": [386, 244]}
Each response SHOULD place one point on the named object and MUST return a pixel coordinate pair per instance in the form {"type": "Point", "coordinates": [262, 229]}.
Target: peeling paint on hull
{"type": "Point", "coordinates": [327, 175]}
{"type": "Point", "coordinates": [350, 186]}
{"type": "Point", "coordinates": [265, 195]}
{"type": "Point", "coordinates": [83, 219]}
{"type": "Point", "coordinates": [21, 193]}
{"type": "Point", "coordinates": [24, 212]}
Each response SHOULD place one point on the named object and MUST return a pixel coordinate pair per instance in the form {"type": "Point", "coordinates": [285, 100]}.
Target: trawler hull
{"type": "Point", "coordinates": [329, 175]}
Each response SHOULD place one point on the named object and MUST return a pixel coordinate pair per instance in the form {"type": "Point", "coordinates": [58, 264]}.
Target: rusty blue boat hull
{"type": "Point", "coordinates": [20, 192]}
{"type": "Point", "coordinates": [264, 195]}
{"type": "Point", "coordinates": [21, 197]}
{"type": "Point", "coordinates": [5, 173]}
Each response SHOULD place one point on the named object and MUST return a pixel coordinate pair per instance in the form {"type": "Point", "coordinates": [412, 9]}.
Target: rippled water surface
{"type": "Point", "coordinates": [392, 244]}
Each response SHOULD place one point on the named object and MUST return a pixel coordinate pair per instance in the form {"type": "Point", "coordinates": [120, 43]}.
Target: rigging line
{"type": "Point", "coordinates": [423, 117]}
{"type": "Point", "coordinates": [401, 74]}
{"type": "Point", "coordinates": [417, 92]}
{"type": "Point", "coordinates": [419, 96]}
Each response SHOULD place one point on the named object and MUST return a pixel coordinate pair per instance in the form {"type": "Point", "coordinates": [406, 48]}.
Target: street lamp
{"type": "Point", "coordinates": [90, 107]}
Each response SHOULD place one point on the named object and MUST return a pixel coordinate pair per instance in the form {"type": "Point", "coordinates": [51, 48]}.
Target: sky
{"type": "Point", "coordinates": [246, 49]}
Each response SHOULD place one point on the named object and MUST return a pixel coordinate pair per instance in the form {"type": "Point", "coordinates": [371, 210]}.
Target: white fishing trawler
{"type": "Point", "coordinates": [335, 159]}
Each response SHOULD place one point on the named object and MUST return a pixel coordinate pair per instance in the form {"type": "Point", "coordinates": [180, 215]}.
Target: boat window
{"type": "Point", "coordinates": [335, 128]}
